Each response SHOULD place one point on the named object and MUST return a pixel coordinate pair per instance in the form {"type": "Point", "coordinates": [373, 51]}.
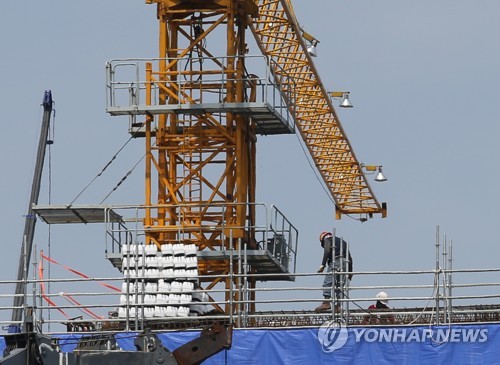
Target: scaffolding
{"type": "Point", "coordinates": [475, 298]}
{"type": "Point", "coordinates": [156, 282]}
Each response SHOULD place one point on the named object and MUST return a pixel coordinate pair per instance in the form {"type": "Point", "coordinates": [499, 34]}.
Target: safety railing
{"type": "Point", "coordinates": [117, 233]}
{"type": "Point", "coordinates": [190, 83]}
{"type": "Point", "coordinates": [271, 232]}
{"type": "Point", "coordinates": [118, 304]}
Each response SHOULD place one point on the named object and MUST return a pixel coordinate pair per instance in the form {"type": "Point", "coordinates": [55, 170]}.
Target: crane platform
{"type": "Point", "coordinates": [268, 119]}
{"type": "Point", "coordinates": [65, 214]}
{"type": "Point", "coordinates": [263, 262]}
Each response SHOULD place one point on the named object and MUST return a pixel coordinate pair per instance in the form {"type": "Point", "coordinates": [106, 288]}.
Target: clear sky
{"type": "Point", "coordinates": [424, 80]}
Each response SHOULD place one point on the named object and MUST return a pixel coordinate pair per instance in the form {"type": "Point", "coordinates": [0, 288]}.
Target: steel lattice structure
{"type": "Point", "coordinates": [280, 37]}
{"type": "Point", "coordinates": [203, 111]}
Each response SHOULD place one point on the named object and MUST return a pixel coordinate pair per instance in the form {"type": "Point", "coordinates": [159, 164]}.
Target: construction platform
{"type": "Point", "coordinates": [265, 261]}
{"type": "Point", "coordinates": [268, 119]}
{"type": "Point", "coordinates": [262, 261]}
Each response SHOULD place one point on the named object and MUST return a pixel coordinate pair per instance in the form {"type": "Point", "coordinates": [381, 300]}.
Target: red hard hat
{"type": "Point", "coordinates": [323, 235]}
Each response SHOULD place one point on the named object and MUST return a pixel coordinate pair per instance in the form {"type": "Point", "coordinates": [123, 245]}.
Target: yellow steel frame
{"type": "Point", "coordinates": [200, 161]}
{"type": "Point", "coordinates": [195, 162]}
{"type": "Point", "coordinates": [279, 36]}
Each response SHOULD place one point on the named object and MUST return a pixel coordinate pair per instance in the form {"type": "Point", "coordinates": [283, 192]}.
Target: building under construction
{"type": "Point", "coordinates": [192, 256]}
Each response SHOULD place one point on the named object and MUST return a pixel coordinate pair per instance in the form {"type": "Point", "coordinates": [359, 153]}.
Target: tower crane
{"type": "Point", "coordinates": [203, 109]}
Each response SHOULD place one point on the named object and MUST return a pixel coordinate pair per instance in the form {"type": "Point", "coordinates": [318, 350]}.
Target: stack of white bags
{"type": "Point", "coordinates": [160, 282]}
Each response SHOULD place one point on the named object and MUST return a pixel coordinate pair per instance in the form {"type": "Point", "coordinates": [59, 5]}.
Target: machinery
{"type": "Point", "coordinates": [30, 221]}
{"type": "Point", "coordinates": [32, 348]}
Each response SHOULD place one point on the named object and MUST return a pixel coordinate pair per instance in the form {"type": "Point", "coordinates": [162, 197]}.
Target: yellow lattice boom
{"type": "Point", "coordinates": [279, 36]}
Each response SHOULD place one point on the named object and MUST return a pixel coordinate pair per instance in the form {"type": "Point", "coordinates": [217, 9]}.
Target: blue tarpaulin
{"type": "Point", "coordinates": [2, 345]}
{"type": "Point", "coordinates": [457, 344]}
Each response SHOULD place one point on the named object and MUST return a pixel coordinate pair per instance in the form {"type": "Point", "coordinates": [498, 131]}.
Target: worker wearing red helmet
{"type": "Point", "coordinates": [337, 257]}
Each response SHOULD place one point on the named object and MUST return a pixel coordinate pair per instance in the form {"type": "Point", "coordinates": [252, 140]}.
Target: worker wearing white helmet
{"type": "Point", "coordinates": [382, 304]}
{"type": "Point", "coordinates": [382, 301]}
{"type": "Point", "coordinates": [335, 256]}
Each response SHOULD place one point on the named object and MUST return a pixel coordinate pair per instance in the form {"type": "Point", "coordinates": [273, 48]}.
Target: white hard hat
{"type": "Point", "coordinates": [382, 297]}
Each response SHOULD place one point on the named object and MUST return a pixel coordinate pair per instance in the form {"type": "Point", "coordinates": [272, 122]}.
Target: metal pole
{"type": "Point", "coordinates": [347, 284]}
{"type": "Point", "coordinates": [231, 276]}
{"type": "Point", "coordinates": [445, 278]}
{"type": "Point", "coordinates": [35, 264]}
{"type": "Point", "coordinates": [450, 280]}
{"type": "Point", "coordinates": [40, 298]}
{"type": "Point", "coordinates": [25, 277]}
{"type": "Point", "coordinates": [436, 276]}
{"type": "Point", "coordinates": [127, 281]}
{"type": "Point", "coordinates": [333, 296]}
{"type": "Point", "coordinates": [245, 297]}
{"type": "Point", "coordinates": [239, 282]}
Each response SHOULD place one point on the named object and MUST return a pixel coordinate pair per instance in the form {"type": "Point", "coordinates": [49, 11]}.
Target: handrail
{"type": "Point", "coordinates": [267, 230]}
{"type": "Point", "coordinates": [126, 84]}
{"type": "Point", "coordinates": [274, 304]}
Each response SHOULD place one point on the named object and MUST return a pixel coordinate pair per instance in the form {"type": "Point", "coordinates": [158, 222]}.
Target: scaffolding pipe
{"type": "Point", "coordinates": [436, 277]}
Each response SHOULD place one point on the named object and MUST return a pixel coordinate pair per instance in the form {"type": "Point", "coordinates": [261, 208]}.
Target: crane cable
{"type": "Point", "coordinates": [101, 172]}
{"type": "Point", "coordinates": [123, 179]}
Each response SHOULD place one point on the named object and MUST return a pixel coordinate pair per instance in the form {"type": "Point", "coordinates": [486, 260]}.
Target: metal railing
{"type": "Point", "coordinates": [76, 306]}
{"type": "Point", "coordinates": [184, 85]}
{"type": "Point", "coordinates": [272, 231]}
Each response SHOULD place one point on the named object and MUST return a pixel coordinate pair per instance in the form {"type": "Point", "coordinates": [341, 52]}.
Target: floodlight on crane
{"type": "Point", "coordinates": [371, 169]}
{"type": "Point", "coordinates": [312, 43]}
{"type": "Point", "coordinates": [344, 98]}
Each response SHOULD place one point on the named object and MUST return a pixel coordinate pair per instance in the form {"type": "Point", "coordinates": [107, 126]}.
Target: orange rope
{"type": "Point", "coordinates": [47, 299]}
{"type": "Point", "coordinates": [74, 301]}
{"type": "Point", "coordinates": [79, 273]}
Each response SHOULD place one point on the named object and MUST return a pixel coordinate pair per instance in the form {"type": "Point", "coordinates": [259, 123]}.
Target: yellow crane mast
{"type": "Point", "coordinates": [201, 146]}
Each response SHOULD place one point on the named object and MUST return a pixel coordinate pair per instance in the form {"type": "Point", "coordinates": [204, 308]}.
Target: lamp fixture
{"type": "Point", "coordinates": [371, 169]}
{"type": "Point", "coordinates": [380, 176]}
{"type": "Point", "coordinates": [312, 50]}
{"type": "Point", "coordinates": [312, 43]}
{"type": "Point", "coordinates": [344, 98]}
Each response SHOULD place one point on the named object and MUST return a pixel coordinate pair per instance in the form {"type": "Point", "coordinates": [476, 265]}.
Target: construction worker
{"type": "Point", "coordinates": [382, 304]}
{"type": "Point", "coordinates": [382, 301]}
{"type": "Point", "coordinates": [337, 257]}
